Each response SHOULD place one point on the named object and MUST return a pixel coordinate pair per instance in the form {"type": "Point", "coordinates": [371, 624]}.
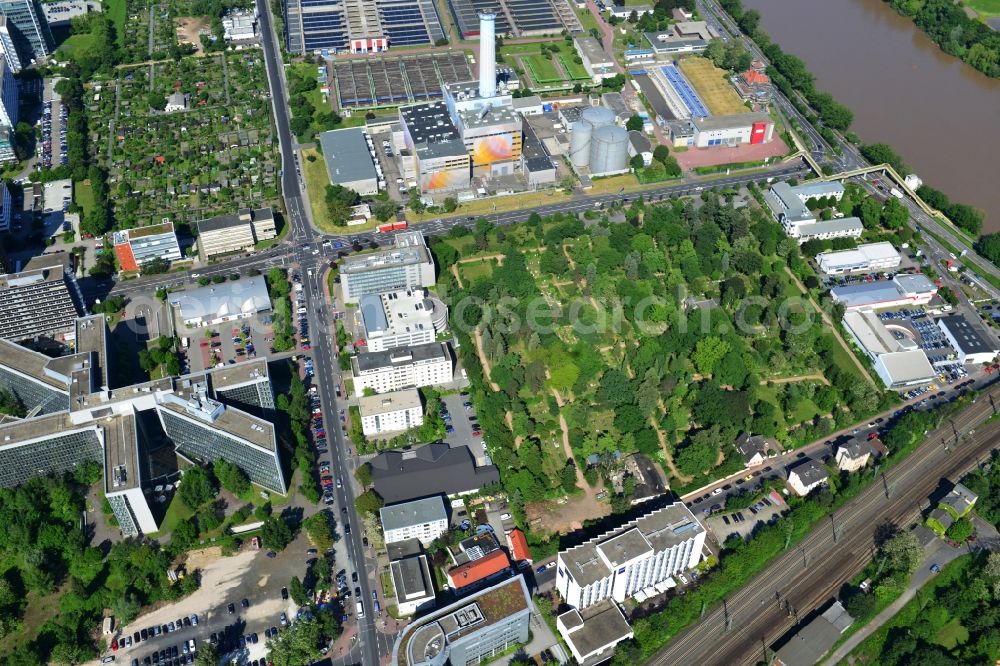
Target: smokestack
{"type": "Point", "coordinates": [487, 55]}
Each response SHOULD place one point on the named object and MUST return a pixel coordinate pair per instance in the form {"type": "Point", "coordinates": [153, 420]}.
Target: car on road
{"type": "Point", "coordinates": [245, 603]}
{"type": "Point", "coordinates": [231, 608]}
{"type": "Point", "coordinates": [935, 568]}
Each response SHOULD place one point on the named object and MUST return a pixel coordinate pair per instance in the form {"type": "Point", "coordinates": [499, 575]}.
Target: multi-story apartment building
{"type": "Point", "coordinates": [638, 556]}
{"type": "Point", "coordinates": [235, 233]}
{"type": "Point", "coordinates": [403, 368]}
{"type": "Point", "coordinates": [40, 302]}
{"type": "Point", "coordinates": [423, 519]}
{"type": "Point", "coordinates": [409, 264]}
{"type": "Point", "coordinates": [391, 412]}
{"type": "Point", "coordinates": [470, 631]}
{"type": "Point", "coordinates": [28, 29]}
{"type": "Point", "coordinates": [401, 318]}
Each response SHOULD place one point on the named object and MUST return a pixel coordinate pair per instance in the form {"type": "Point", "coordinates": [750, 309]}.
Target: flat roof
{"type": "Point", "coordinates": [347, 157]}
{"type": "Point", "coordinates": [121, 458]}
{"type": "Point", "coordinates": [233, 219]}
{"type": "Point", "coordinates": [660, 530]}
{"type": "Point", "coordinates": [867, 253]}
{"type": "Point", "coordinates": [241, 374]}
{"type": "Point", "coordinates": [384, 403]}
{"type": "Point", "coordinates": [593, 51]}
{"type": "Point", "coordinates": [596, 627]}
{"type": "Point", "coordinates": [398, 311]}
{"type": "Point", "coordinates": [818, 188]}
{"type": "Point", "coordinates": [782, 201]}
{"type": "Point", "coordinates": [23, 431]}
{"type": "Point", "coordinates": [970, 338]}
{"type": "Point", "coordinates": [813, 641]}
{"type": "Point", "coordinates": [230, 421]}
{"type": "Point", "coordinates": [411, 578]}
{"type": "Point", "coordinates": [712, 123]}
{"type": "Point", "coordinates": [870, 332]}
{"type": "Point", "coordinates": [389, 358]}
{"type": "Point", "coordinates": [907, 366]}
{"type": "Point", "coordinates": [414, 512]}
{"type": "Point", "coordinates": [409, 248]}
{"type": "Point", "coordinates": [831, 226]}
{"type": "Point", "coordinates": [239, 297]}
{"type": "Point", "coordinates": [29, 363]}
{"type": "Point", "coordinates": [625, 547]}
{"type": "Point", "coordinates": [432, 131]}
{"type": "Point", "coordinates": [428, 636]}
{"type": "Point", "coordinates": [882, 291]}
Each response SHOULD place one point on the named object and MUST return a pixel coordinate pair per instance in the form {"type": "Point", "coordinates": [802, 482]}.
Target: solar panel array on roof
{"type": "Point", "coordinates": [466, 15]}
{"type": "Point", "coordinates": [393, 81]}
{"type": "Point", "coordinates": [533, 16]}
{"type": "Point", "coordinates": [404, 23]}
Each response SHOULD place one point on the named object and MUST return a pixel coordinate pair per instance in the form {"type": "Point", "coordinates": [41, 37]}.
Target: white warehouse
{"type": "Point", "coordinates": [391, 412]}
{"type": "Point", "coordinates": [636, 560]}
{"type": "Point", "coordinates": [868, 258]}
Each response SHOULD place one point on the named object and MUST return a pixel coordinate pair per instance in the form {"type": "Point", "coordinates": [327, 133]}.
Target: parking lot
{"type": "Point", "coordinates": [917, 325]}
{"type": "Point", "coordinates": [218, 608]}
{"type": "Point", "coordinates": [230, 343]}
{"type": "Point", "coordinates": [765, 509]}
{"type": "Point", "coordinates": [459, 421]}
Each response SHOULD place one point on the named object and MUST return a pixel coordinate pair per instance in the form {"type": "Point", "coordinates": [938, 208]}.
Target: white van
{"type": "Point", "coordinates": [360, 608]}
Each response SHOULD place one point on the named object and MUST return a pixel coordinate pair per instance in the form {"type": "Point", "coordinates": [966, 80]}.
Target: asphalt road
{"type": "Point", "coordinates": [811, 572]}
{"type": "Point", "coordinates": [324, 356]}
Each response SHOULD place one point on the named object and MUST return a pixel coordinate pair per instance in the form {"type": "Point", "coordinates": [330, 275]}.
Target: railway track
{"type": "Point", "coordinates": [830, 555]}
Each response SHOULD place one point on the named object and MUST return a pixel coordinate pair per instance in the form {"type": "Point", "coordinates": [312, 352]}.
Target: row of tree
{"type": "Point", "coordinates": [951, 28]}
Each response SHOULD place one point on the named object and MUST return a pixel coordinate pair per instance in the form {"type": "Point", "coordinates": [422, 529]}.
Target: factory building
{"type": "Point", "coordinates": [359, 26]}
{"type": "Point", "coordinates": [636, 560]}
{"type": "Point", "coordinates": [407, 265]}
{"type": "Point", "coordinates": [735, 130]}
{"type": "Point", "coordinates": [868, 258]}
{"type": "Point", "coordinates": [596, 61]}
{"type": "Point", "coordinates": [441, 162]}
{"type": "Point", "coordinates": [349, 161]}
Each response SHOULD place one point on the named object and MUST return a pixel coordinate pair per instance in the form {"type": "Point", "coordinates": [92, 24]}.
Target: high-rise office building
{"type": "Point", "coordinates": [409, 264]}
{"type": "Point", "coordinates": [28, 29]}
{"type": "Point", "coordinates": [8, 95]}
{"type": "Point", "coordinates": [7, 49]}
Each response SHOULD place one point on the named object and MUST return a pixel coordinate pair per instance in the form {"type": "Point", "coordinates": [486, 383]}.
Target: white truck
{"type": "Point", "coordinates": [896, 193]}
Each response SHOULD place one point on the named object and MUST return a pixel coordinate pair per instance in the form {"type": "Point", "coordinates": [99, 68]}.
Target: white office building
{"type": "Point", "coordinates": [595, 60]}
{"type": "Point", "coordinates": [423, 519]}
{"type": "Point", "coordinates": [819, 189]}
{"type": "Point", "coordinates": [391, 412]}
{"type": "Point", "coordinates": [402, 368]}
{"type": "Point", "coordinates": [868, 258]}
{"type": "Point", "coordinates": [401, 318]}
{"type": "Point", "coordinates": [636, 560]}
{"type": "Point", "coordinates": [408, 264]}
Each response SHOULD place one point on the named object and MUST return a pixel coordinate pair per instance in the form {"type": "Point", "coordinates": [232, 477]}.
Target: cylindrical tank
{"type": "Point", "coordinates": [598, 116]}
{"type": "Point", "coordinates": [608, 149]}
{"type": "Point", "coordinates": [579, 143]}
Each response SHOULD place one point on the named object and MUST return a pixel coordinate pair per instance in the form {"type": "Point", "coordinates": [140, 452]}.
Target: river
{"type": "Point", "coordinates": [942, 116]}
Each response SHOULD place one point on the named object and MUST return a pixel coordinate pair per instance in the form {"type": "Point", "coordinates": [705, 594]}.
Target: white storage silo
{"type": "Point", "coordinates": [608, 150]}
{"type": "Point", "coordinates": [598, 116]}
{"type": "Point", "coordinates": [579, 143]}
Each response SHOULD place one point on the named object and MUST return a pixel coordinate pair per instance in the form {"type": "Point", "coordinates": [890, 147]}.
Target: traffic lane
{"type": "Point", "coordinates": [921, 469]}
{"type": "Point", "coordinates": [323, 362]}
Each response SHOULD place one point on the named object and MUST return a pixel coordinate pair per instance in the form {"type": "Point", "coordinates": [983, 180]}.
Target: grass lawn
{"type": "Point", "coordinates": [387, 589]}
{"type": "Point", "coordinates": [316, 181]}
{"type": "Point", "coordinates": [116, 12]}
{"type": "Point", "coordinates": [463, 244]}
{"type": "Point", "coordinates": [952, 634]}
{"type": "Point", "coordinates": [984, 7]}
{"type": "Point", "coordinates": [77, 45]}
{"type": "Point", "coordinates": [614, 183]}
{"type": "Point", "coordinates": [587, 19]}
{"type": "Point", "coordinates": [475, 270]}
{"type": "Point", "coordinates": [804, 411]}
{"type": "Point", "coordinates": [485, 206]}
{"type": "Point", "coordinates": [176, 512]}
{"type": "Point", "coordinates": [575, 71]}
{"type": "Point", "coordinates": [83, 196]}
{"type": "Point", "coordinates": [541, 68]}
{"type": "Point", "coordinates": [508, 49]}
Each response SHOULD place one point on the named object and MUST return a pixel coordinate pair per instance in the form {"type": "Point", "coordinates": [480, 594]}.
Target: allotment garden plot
{"type": "Point", "coordinates": [187, 139]}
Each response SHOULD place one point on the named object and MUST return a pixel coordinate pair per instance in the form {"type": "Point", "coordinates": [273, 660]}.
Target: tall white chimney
{"type": "Point", "coordinates": [487, 54]}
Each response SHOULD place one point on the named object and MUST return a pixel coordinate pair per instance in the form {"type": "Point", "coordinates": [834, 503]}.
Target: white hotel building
{"type": "Point", "coordinates": [402, 368]}
{"type": "Point", "coordinates": [636, 560]}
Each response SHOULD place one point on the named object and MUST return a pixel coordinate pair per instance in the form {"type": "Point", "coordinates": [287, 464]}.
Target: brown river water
{"type": "Point", "coordinates": [942, 116]}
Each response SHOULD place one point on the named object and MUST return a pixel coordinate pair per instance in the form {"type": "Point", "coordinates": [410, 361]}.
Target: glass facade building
{"type": "Point", "coordinates": [205, 443]}
{"type": "Point", "coordinates": [28, 28]}
{"type": "Point", "coordinates": [52, 454]}
{"type": "Point", "coordinates": [34, 394]}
